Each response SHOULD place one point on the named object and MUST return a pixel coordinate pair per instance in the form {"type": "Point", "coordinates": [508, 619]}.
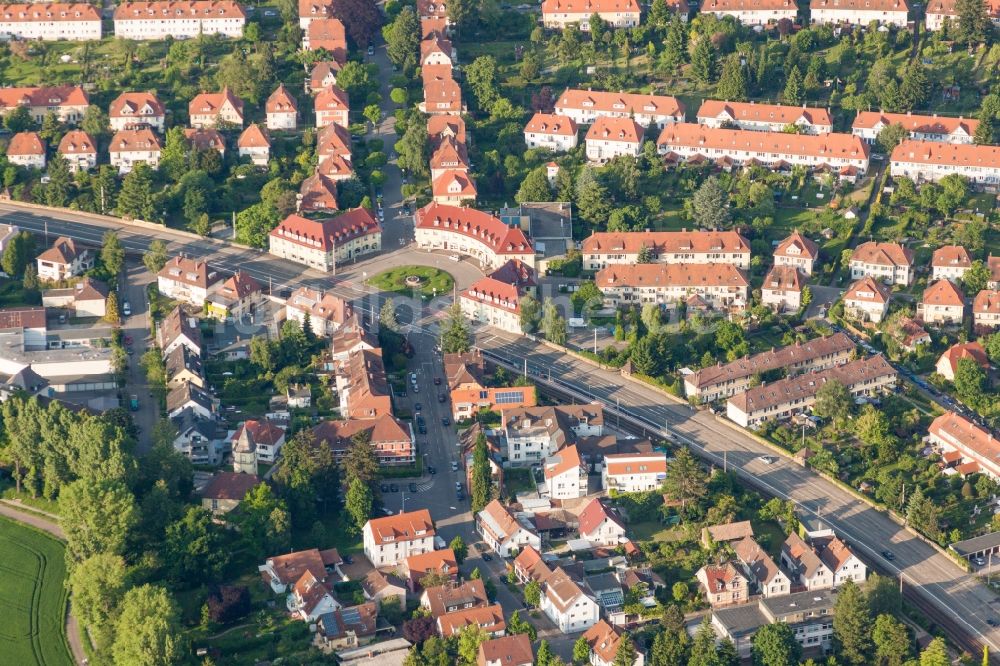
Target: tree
{"type": "Point", "coordinates": [710, 205]}
{"type": "Point", "coordinates": [112, 253]}
{"type": "Point", "coordinates": [458, 547]}
{"type": "Point", "coordinates": [922, 513]}
{"type": "Point", "coordinates": [19, 253]}
{"type": "Point", "coordinates": [794, 92]}
{"type": "Point", "coordinates": [553, 324]}
{"type": "Point", "coordinates": [534, 187]}
{"type": "Point", "coordinates": [155, 258]}
{"type": "Point", "coordinates": [359, 502]}
{"type": "Point", "coordinates": [591, 197]}
{"type": "Point", "coordinates": [675, 46]}
{"type": "Point", "coordinates": [833, 400]}
{"type": "Point", "coordinates": [973, 23]}
{"type": "Point", "coordinates": [419, 629]}
{"type": "Point", "coordinates": [852, 624]}
{"type": "Point", "coordinates": [412, 152]}
{"type": "Point", "coordinates": [469, 640]}
{"type": "Point", "coordinates": [98, 585]}
{"type": "Point", "coordinates": [544, 655]}
{"type": "Point", "coordinates": [775, 645]}
{"type": "Point", "coordinates": [361, 462]}
{"type": "Point", "coordinates": [95, 121]}
{"type": "Point", "coordinates": [685, 481]}
{"type": "Point", "coordinates": [914, 87]}
{"type": "Point", "coordinates": [703, 61]}
{"type": "Point", "coordinates": [976, 278]}
{"type": "Point", "coordinates": [229, 603]}
{"type": "Point", "coordinates": [456, 336]}
{"type": "Point", "coordinates": [57, 191]}
{"type": "Point", "coordinates": [96, 518]}
{"type": "Point", "coordinates": [18, 120]}
{"type": "Point", "coordinates": [533, 593]}
{"type": "Point", "coordinates": [625, 654]}
{"type": "Point", "coordinates": [516, 625]}
{"type": "Point", "coordinates": [264, 522]}
{"type": "Point", "coordinates": [399, 96]}
{"type": "Point", "coordinates": [581, 648]}
{"type": "Point", "coordinates": [195, 548]}
{"type": "Point", "coordinates": [733, 84]}
{"type": "Point", "coordinates": [402, 39]}
{"type": "Point", "coordinates": [148, 628]}
{"type": "Point", "coordinates": [985, 133]}
{"type": "Point", "coordinates": [935, 654]}
{"type": "Point", "coordinates": [361, 19]}
{"type": "Point", "coordinates": [892, 641]}
{"type": "Point", "coordinates": [482, 77]}
{"type": "Point", "coordinates": [531, 314]}
{"type": "Point", "coordinates": [387, 316]}
{"type": "Point", "coordinates": [135, 200]}
{"type": "Point", "coordinates": [703, 650]}
{"type": "Point", "coordinates": [891, 136]}
{"type": "Point", "coordinates": [970, 381]}
{"type": "Point", "coordinates": [481, 489]}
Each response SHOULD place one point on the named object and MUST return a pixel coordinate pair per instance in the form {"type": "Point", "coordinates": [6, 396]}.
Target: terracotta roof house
{"type": "Point", "coordinates": [503, 531]}
{"type": "Point", "coordinates": [68, 102]}
{"type": "Point", "coordinates": [317, 193]}
{"type": "Point", "coordinates": [529, 565]}
{"type": "Point", "coordinates": [332, 105]}
{"type": "Point", "coordinates": [326, 312]}
{"type": "Point", "coordinates": [130, 147]}
{"type": "Point", "coordinates": [764, 117]}
{"type": "Point", "coordinates": [867, 300]}
{"type": "Point", "coordinates": [942, 303]}
{"type": "Point", "coordinates": [363, 387]}
{"type": "Point", "coordinates": [377, 586]}
{"type": "Point", "coordinates": [226, 490]}
{"type": "Point", "coordinates": [947, 364]}
{"type": "Point", "coordinates": [722, 286]}
{"type": "Point", "coordinates": [65, 259]}
{"type": "Point", "coordinates": [179, 19]}
{"type": "Point", "coordinates": [132, 110]}
{"type": "Point", "coordinates": [489, 619]}
{"type": "Point", "coordinates": [325, 243]}
{"type": "Point", "coordinates": [236, 297]}
{"type": "Point", "coordinates": [441, 127]}
{"type": "Point", "coordinates": [610, 137]}
{"type": "Point", "coordinates": [604, 641]}
{"type": "Point", "coordinates": [323, 74]}
{"type": "Point", "coordinates": [723, 584]}
{"type": "Point", "coordinates": [450, 597]}
{"type": "Point", "coordinates": [912, 334]}
{"type": "Point", "coordinates": [441, 562]}
{"type": "Point", "coordinates": [930, 161]}
{"type": "Point", "coordinates": [859, 12]}
{"type": "Point", "coordinates": [344, 628]}
{"type": "Point", "coordinates": [283, 571]}
{"type": "Point", "coordinates": [256, 442]}
{"type": "Point", "coordinates": [327, 34]}
{"type": "Point", "coordinates": [453, 187]}
{"type": "Point", "coordinates": [281, 109]}
{"type": "Point", "coordinates": [971, 446]}
{"type": "Point", "coordinates": [960, 130]}
{"type": "Point", "coordinates": [768, 578]}
{"type": "Point", "coordinates": [805, 567]}
{"type": "Point", "coordinates": [470, 232]}
{"type": "Point", "coordinates": [551, 131]}
{"type": "Point", "coordinates": [585, 106]}
{"type": "Point", "coordinates": [842, 561]}
{"type": "Point", "coordinates": [79, 150]}
{"type": "Point", "coordinates": [255, 143]}
{"type": "Point", "coordinates": [514, 650]}
{"type": "Point", "coordinates": [388, 541]}
{"type": "Point", "coordinates": [797, 251]}
{"type": "Point", "coordinates": [950, 262]}
{"type": "Point", "coordinates": [603, 249]}
{"type": "Point", "coordinates": [442, 95]}
{"type": "Point", "coordinates": [782, 288]}
{"type": "Point", "coordinates": [601, 524]}
{"type": "Point", "coordinates": [216, 109]}
{"type": "Point", "coordinates": [206, 139]}
{"type": "Point", "coordinates": [189, 280]}
{"type": "Point", "coordinates": [26, 149]}
{"type": "Point", "coordinates": [751, 12]}
{"type": "Point", "coordinates": [449, 154]}
{"type": "Point", "coordinates": [565, 474]}
{"type": "Point", "coordinates": [986, 310]}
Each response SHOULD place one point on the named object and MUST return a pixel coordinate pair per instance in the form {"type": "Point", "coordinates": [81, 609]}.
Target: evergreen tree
{"type": "Point", "coordinates": [626, 654]}
{"type": "Point", "coordinates": [794, 92]}
{"type": "Point", "coordinates": [892, 641]}
{"type": "Point", "coordinates": [361, 463]}
{"type": "Point", "coordinates": [534, 187]}
{"type": "Point", "coordinates": [973, 23]}
{"type": "Point", "coordinates": [136, 197]}
{"type": "Point", "coordinates": [592, 199]}
{"type": "Point", "coordinates": [412, 152]}
{"type": "Point", "coordinates": [659, 15]}
{"type": "Point", "coordinates": [358, 503]}
{"type": "Point", "coordinates": [985, 132]}
{"type": "Point", "coordinates": [544, 655]}
{"type": "Point", "coordinates": [531, 314]}
{"type": "Point", "coordinates": [402, 39]}
{"type": "Point", "coordinates": [703, 61]}
{"type": "Point", "coordinates": [455, 337]}
{"type": "Point", "coordinates": [387, 316]}
{"type": "Point", "coordinates": [95, 122]}
{"type": "Point", "coordinates": [19, 254]}
{"type": "Point", "coordinates": [852, 624]}
{"type": "Point", "coordinates": [710, 205]}
{"type": "Point", "coordinates": [733, 85]}
{"type": "Point", "coordinates": [685, 481]}
{"type": "Point", "coordinates": [482, 480]}
{"type": "Point", "coordinates": [914, 87]}
{"type": "Point", "coordinates": [112, 253]}
{"type": "Point", "coordinates": [775, 645]}
{"type": "Point", "coordinates": [57, 191]}
{"type": "Point", "coordinates": [935, 654]}
{"type": "Point", "coordinates": [553, 324]}
{"type": "Point", "coordinates": [703, 651]}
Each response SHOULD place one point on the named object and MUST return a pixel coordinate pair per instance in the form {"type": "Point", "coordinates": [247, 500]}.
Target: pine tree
{"type": "Point", "coordinates": [733, 84]}
{"type": "Point", "coordinates": [136, 197]}
{"type": "Point", "coordinates": [703, 651]}
{"type": "Point", "coordinates": [973, 21]}
{"type": "Point", "coordinates": [914, 87]}
{"type": "Point", "coordinates": [685, 481]}
{"type": "Point", "coordinates": [482, 479]}
{"type": "Point", "coordinates": [794, 88]}
{"type": "Point", "coordinates": [710, 205]}
{"type": "Point", "coordinates": [852, 624]}
{"type": "Point", "coordinates": [57, 191]}
{"type": "Point", "coordinates": [455, 337]}
{"type": "Point", "coordinates": [675, 46]}
{"type": "Point", "coordinates": [359, 503]}
{"type": "Point", "coordinates": [985, 132]}
{"type": "Point", "coordinates": [703, 61]}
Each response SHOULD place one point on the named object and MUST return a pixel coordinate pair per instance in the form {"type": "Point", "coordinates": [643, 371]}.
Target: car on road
{"type": "Point", "coordinates": [126, 309]}
{"type": "Point", "coordinates": [413, 378]}
{"type": "Point", "coordinates": [445, 421]}
{"type": "Point", "coordinates": [417, 407]}
{"type": "Point", "coordinates": [431, 470]}
{"type": "Point", "coordinates": [393, 488]}
{"type": "Point", "coordinates": [416, 388]}
{"type": "Point", "coordinates": [888, 554]}
{"type": "Point", "coordinates": [768, 460]}
{"type": "Point", "coordinates": [381, 215]}
{"type": "Point", "coordinates": [442, 398]}
{"type": "Point", "coordinates": [412, 487]}
{"type": "Point", "coordinates": [422, 429]}
{"type": "Point", "coordinates": [420, 420]}
{"type": "Point", "coordinates": [454, 466]}
{"type": "Point", "coordinates": [384, 487]}
{"type": "Point", "coordinates": [458, 485]}
{"type": "Point", "coordinates": [387, 511]}
{"type": "Point", "coordinates": [461, 496]}
{"type": "Point", "coordinates": [992, 621]}
{"type": "Point", "coordinates": [128, 339]}
{"type": "Point", "coordinates": [406, 208]}
{"type": "Point", "coordinates": [437, 381]}
{"type": "Point", "coordinates": [270, 13]}
{"type": "Point", "coordinates": [371, 50]}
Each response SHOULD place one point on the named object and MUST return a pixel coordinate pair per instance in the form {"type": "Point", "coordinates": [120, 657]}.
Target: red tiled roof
{"type": "Point", "coordinates": [660, 242]}
{"type": "Point", "coordinates": [212, 103]}
{"type": "Point", "coordinates": [745, 5]}
{"type": "Point", "coordinates": [328, 33]}
{"type": "Point", "coordinates": [915, 122]}
{"type": "Point", "coordinates": [402, 527]}
{"type": "Point", "coordinates": [603, 640]}
{"type": "Point", "coordinates": [26, 143]}
{"type": "Point", "coordinates": [49, 12]}
{"type": "Point", "coordinates": [77, 142]}
{"type": "Point", "coordinates": [328, 232]}
{"type": "Point", "coordinates": [319, 193]}
{"type": "Point", "coordinates": [606, 128]}
{"type": "Point", "coordinates": [42, 95]}
{"type": "Point", "coordinates": [128, 104]}
{"type": "Point", "coordinates": [332, 98]}
{"type": "Point", "coordinates": [179, 10]}
{"type": "Point", "coordinates": [970, 350]}
{"type": "Point", "coordinates": [943, 292]}
{"type": "Point", "coordinates": [454, 183]}
{"type": "Point", "coordinates": [254, 136]}
{"type": "Point", "coordinates": [883, 254]}
{"type": "Point", "coordinates": [261, 432]}
{"type": "Point", "coordinates": [987, 301]}
{"type": "Point", "coordinates": [807, 248]}
{"type": "Point", "coordinates": [827, 146]}
{"type": "Point", "coordinates": [27, 317]}
{"type": "Point", "coordinates": [138, 140]}
{"type": "Point", "coordinates": [205, 139]}
{"type": "Point", "coordinates": [490, 620]}
{"type": "Point", "coordinates": [469, 222]}
{"type": "Point", "coordinates": [913, 151]}
{"type": "Point", "coordinates": [190, 271]}
{"type": "Point", "coordinates": [951, 256]}
{"type": "Point", "coordinates": [493, 293]}
{"type": "Point", "coordinates": [764, 113]}
{"type": "Point", "coordinates": [619, 102]}
{"type": "Point", "coordinates": [869, 290]}
{"type": "Point", "coordinates": [551, 123]}
{"type": "Point", "coordinates": [786, 278]}
{"type": "Point", "coordinates": [596, 513]}
{"type": "Point", "coordinates": [513, 650]}
{"type": "Point", "coordinates": [229, 486]}
{"type": "Point", "coordinates": [668, 275]}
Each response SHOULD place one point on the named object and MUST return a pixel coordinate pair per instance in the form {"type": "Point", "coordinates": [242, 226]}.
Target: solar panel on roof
{"type": "Point", "coordinates": [351, 615]}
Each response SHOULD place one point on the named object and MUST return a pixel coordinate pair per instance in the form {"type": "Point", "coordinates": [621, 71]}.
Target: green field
{"type": "Point", "coordinates": [33, 597]}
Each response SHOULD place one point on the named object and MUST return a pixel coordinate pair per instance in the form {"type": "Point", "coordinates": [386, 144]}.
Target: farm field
{"type": "Point", "coordinates": [32, 594]}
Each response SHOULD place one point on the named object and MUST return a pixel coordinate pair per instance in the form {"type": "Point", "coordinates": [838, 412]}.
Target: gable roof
{"type": "Point", "coordinates": [489, 618]}
{"type": "Point", "coordinates": [77, 142]}
{"type": "Point", "coordinates": [670, 275]}
{"type": "Point", "coordinates": [281, 101]}
{"type": "Point", "coordinates": [318, 192]}
{"type": "Point", "coordinates": [786, 278]}
{"type": "Point", "coordinates": [948, 256]}
{"type": "Point", "coordinates": [987, 301]}
{"type": "Point", "coordinates": [806, 248]}
{"type": "Point", "coordinates": [970, 350]}
{"type": "Point", "coordinates": [869, 290]}
{"type": "Point", "coordinates": [761, 565]}
{"type": "Point", "coordinates": [620, 102]}
{"type": "Point", "coordinates": [603, 640]}
{"type": "Point", "coordinates": [60, 96]}
{"type": "Point", "coordinates": [142, 140]}
{"type": "Point", "coordinates": [442, 597]}
{"type": "Point", "coordinates": [607, 128]}
{"type": "Point", "coordinates": [913, 151]}
{"type": "Point", "coordinates": [802, 555]}
{"type": "Point", "coordinates": [660, 242]}
{"type": "Point", "coordinates": [211, 103]}
{"type": "Point", "coordinates": [916, 123]}
{"type": "Point", "coordinates": [730, 531]}
{"type": "Point", "coordinates": [595, 513]}
{"type": "Point", "coordinates": [401, 527]}
{"type": "Point", "coordinates": [321, 306]}
{"type": "Point", "coordinates": [327, 233]}
{"type": "Point", "coordinates": [26, 143]}
{"type": "Point", "coordinates": [229, 486]}
{"type": "Point", "coordinates": [564, 460]}
{"type": "Point", "coordinates": [254, 136]}
{"type": "Point", "coordinates": [500, 522]}
{"type": "Point", "coordinates": [194, 272]}
{"type": "Point", "coordinates": [513, 650]}
{"type": "Point", "coordinates": [488, 230]}
{"type": "Point", "coordinates": [764, 113]}
{"type": "Point", "coordinates": [943, 292]}
{"type": "Point", "coordinates": [257, 433]}
{"type": "Point", "coordinates": [63, 251]}
{"type": "Point", "coordinates": [551, 123]}
{"type": "Point", "coordinates": [177, 324]}
{"type": "Point", "coordinates": [128, 104]}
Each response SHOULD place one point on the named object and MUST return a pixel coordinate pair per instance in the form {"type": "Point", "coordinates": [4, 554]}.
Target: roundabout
{"type": "Point", "coordinates": [410, 280]}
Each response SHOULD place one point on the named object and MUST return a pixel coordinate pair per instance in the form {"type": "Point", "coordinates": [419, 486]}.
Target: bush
{"type": "Point", "coordinates": [228, 603]}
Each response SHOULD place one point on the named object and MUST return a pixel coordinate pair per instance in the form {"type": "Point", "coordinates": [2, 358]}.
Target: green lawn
{"type": "Point", "coordinates": [434, 280]}
{"type": "Point", "coordinates": [654, 530]}
{"type": "Point", "coordinates": [33, 597]}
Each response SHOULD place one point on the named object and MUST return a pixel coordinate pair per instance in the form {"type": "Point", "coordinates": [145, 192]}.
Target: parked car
{"type": "Point", "coordinates": [413, 488]}
{"type": "Point", "coordinates": [417, 407]}
{"type": "Point", "coordinates": [442, 398]}
{"type": "Point", "coordinates": [422, 429]}
{"type": "Point", "coordinates": [431, 470]}
{"type": "Point", "coordinates": [437, 381]}
{"type": "Point", "coordinates": [888, 554]}
{"type": "Point", "coordinates": [126, 309]}
{"type": "Point", "coordinates": [445, 421]}
{"type": "Point", "coordinates": [454, 466]}
{"type": "Point", "coordinates": [461, 496]}
{"type": "Point", "coordinates": [393, 488]}
{"type": "Point", "coordinates": [384, 487]}
{"type": "Point", "coordinates": [487, 557]}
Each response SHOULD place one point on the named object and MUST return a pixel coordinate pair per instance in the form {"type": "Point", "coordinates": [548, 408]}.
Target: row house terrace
{"type": "Point", "coordinates": [363, 386]}
{"type": "Point", "coordinates": [720, 285]}
{"type": "Point", "coordinates": [50, 21]}
{"type": "Point", "coordinates": [389, 541]}
{"type": "Point", "coordinates": [938, 11]}
{"type": "Point", "coordinates": [752, 12]}
{"type": "Point", "coordinates": [179, 19]}
{"type": "Point", "coordinates": [603, 249]}
{"type": "Point", "coordinates": [134, 110]}
{"type": "Point", "coordinates": [929, 161]}
{"type": "Point", "coordinates": [867, 125]}
{"type": "Point", "coordinates": [764, 117]}
{"type": "Point", "coordinates": [326, 243]}
{"type": "Point", "coordinates": [721, 381]}
{"type": "Point", "coordinates": [69, 103]}
{"type": "Point", "coordinates": [973, 447]}
{"type": "Point", "coordinates": [391, 438]}
{"type": "Point", "coordinates": [586, 106]}
{"type": "Point", "coordinates": [842, 152]}
{"type": "Point", "coordinates": [785, 397]}
{"type": "Point", "coordinates": [448, 155]}
{"type": "Point", "coordinates": [472, 233]}
{"type": "Point", "coordinates": [889, 262]}
{"type": "Point", "coordinates": [557, 14]}
{"type": "Point", "coordinates": [436, 50]}
{"type": "Point", "coordinates": [859, 12]}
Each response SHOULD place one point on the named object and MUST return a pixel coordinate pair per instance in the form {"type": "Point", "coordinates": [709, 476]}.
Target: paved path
{"type": "Point", "coordinates": [9, 509]}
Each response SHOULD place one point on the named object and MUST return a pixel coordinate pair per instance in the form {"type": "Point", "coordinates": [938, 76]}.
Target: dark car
{"type": "Point", "coordinates": [384, 487]}
{"type": "Point", "coordinates": [487, 557]}
{"type": "Point", "coordinates": [445, 421]}
{"type": "Point", "coordinates": [348, 559]}
{"type": "Point", "coordinates": [992, 622]}
{"type": "Point", "coordinates": [393, 488]}
{"type": "Point", "coordinates": [437, 381]}
{"type": "Point", "coordinates": [413, 487]}
{"type": "Point", "coordinates": [888, 554]}
{"type": "Point", "coordinates": [442, 397]}
{"type": "Point", "coordinates": [461, 496]}
{"type": "Point", "coordinates": [422, 429]}
{"type": "Point", "coordinates": [431, 470]}
{"type": "Point", "coordinates": [417, 407]}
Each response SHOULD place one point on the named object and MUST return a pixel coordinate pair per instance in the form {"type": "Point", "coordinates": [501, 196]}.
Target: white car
{"type": "Point", "coordinates": [126, 309]}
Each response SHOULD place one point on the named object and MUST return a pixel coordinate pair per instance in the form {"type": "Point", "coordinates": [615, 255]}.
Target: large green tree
{"type": "Point", "coordinates": [973, 23]}
{"type": "Point", "coordinates": [195, 548]}
{"type": "Point", "coordinates": [96, 517]}
{"type": "Point", "coordinates": [402, 39]}
{"type": "Point", "coordinates": [148, 628]}
{"type": "Point", "coordinates": [112, 253]}
{"type": "Point", "coordinates": [456, 338]}
{"type": "Point", "coordinates": [482, 480]}
{"type": "Point", "coordinates": [935, 654]}
{"type": "Point", "coordinates": [892, 641]}
{"type": "Point", "coordinates": [98, 584]}
{"type": "Point", "coordinates": [710, 205]}
{"type": "Point", "coordinates": [833, 401]}
{"type": "Point", "coordinates": [733, 83]}
{"type": "Point", "coordinates": [795, 90]}
{"type": "Point", "coordinates": [20, 252]}
{"type": "Point", "coordinates": [136, 199]}
{"type": "Point", "coordinates": [685, 480]}
{"type": "Point", "coordinates": [553, 324]}
{"type": "Point", "coordinates": [775, 645]}
{"type": "Point", "coordinates": [852, 624]}
{"type": "Point", "coordinates": [359, 503]}
{"type": "Point", "coordinates": [703, 60]}
{"type": "Point", "coordinates": [483, 79]}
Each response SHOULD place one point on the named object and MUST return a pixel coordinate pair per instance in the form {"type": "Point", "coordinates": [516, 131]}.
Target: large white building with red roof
{"type": "Point", "coordinates": [566, 476]}
{"type": "Point", "coordinates": [859, 12]}
{"type": "Point", "coordinates": [890, 262]}
{"type": "Point", "coordinates": [79, 150]}
{"type": "Point", "coordinates": [797, 251]}
{"type": "Point", "coordinates": [179, 19]}
{"type": "Point", "coordinates": [390, 540]}
{"type": "Point", "coordinates": [941, 303]}
{"type": "Point", "coordinates": [391, 438]}
{"type": "Point", "coordinates": [50, 21]}
{"type": "Point", "coordinates": [867, 125]}
{"type": "Point", "coordinates": [634, 472]}
{"type": "Point", "coordinates": [216, 109]}
{"type": "Point", "coordinates": [950, 262]}
{"type": "Point", "coordinates": [601, 524]}
{"type": "Point", "coordinates": [332, 105]}
{"type": "Point", "coordinates": [130, 147]}
{"type": "Point", "coordinates": [494, 303]}
{"type": "Point", "coordinates": [27, 149]}
{"type": "Point", "coordinates": [764, 117]}
{"type": "Point", "coordinates": [867, 300]}
{"type": "Point", "coordinates": [323, 244]}
{"type": "Point", "coordinates": [782, 289]}
{"type": "Point", "coordinates": [132, 110]}
{"type": "Point", "coordinates": [473, 233]}
{"type": "Point", "coordinates": [282, 110]}
{"type": "Point", "coordinates": [558, 14]}
{"type": "Point", "coordinates": [602, 249]}
{"type": "Point", "coordinates": [722, 286]}
{"type": "Point", "coordinates": [931, 161]}
{"type": "Point", "coordinates": [986, 309]}
{"type": "Point", "coordinates": [609, 138]}
{"type": "Point", "coordinates": [752, 12]}
{"type": "Point", "coordinates": [586, 106]}
{"type": "Point", "coordinates": [326, 311]}
{"type": "Point", "coordinates": [69, 103]}
{"type": "Point", "coordinates": [841, 152]}
{"type": "Point", "coordinates": [940, 10]}
{"type": "Point", "coordinates": [188, 280]}
{"type": "Point", "coordinates": [976, 448]}
{"type": "Point", "coordinates": [548, 130]}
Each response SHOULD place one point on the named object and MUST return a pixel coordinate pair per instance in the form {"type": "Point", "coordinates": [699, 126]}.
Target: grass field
{"type": "Point", "coordinates": [434, 281]}
{"type": "Point", "coordinates": [32, 594]}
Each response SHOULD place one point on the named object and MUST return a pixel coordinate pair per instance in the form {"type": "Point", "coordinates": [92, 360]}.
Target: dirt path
{"type": "Point", "coordinates": [9, 509]}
